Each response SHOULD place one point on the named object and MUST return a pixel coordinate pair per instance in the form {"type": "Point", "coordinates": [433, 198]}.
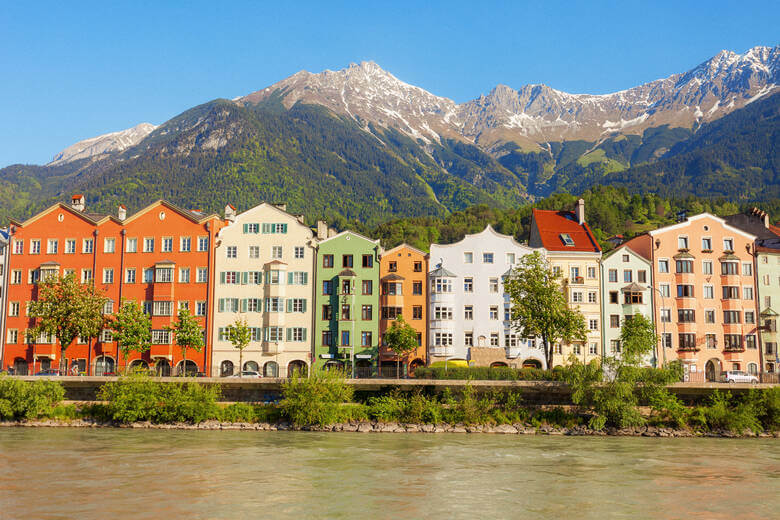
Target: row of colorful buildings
{"type": "Point", "coordinates": [314, 296]}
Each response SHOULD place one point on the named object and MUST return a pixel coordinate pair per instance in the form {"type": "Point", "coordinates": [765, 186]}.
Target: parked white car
{"type": "Point", "coordinates": [248, 374]}
{"type": "Point", "coordinates": [738, 376]}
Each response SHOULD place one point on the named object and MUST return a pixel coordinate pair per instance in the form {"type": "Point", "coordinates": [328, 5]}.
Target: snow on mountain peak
{"type": "Point", "coordinates": [103, 144]}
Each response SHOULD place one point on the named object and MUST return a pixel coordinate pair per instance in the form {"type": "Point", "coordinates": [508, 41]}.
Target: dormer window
{"type": "Point", "coordinates": [567, 240]}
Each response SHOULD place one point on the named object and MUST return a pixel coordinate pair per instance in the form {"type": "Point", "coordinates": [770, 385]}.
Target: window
{"type": "Point", "coordinates": [417, 287]}
{"type": "Point", "coordinates": [750, 317]}
{"type": "Point", "coordinates": [556, 270]}
{"type": "Point", "coordinates": [274, 334]}
{"type": "Point", "coordinates": [666, 339]}
{"type": "Point", "coordinates": [35, 247]}
{"type": "Point", "coordinates": [709, 316]}
{"type": "Point", "coordinates": [86, 275]}
{"type": "Point", "coordinates": [203, 274]}
{"type": "Point", "coordinates": [730, 292]}
{"type": "Point", "coordinates": [687, 341]}
{"type": "Point", "coordinates": [685, 291]}
{"type": "Point", "coordinates": [567, 240]}
{"type": "Point", "coordinates": [108, 275]}
{"type": "Point", "coordinates": [665, 290]}
{"type": "Point", "coordinates": [327, 312]}
{"type": "Point", "coordinates": [345, 338]}
{"type": "Point", "coordinates": [682, 242]}
{"type": "Point", "coordinates": [614, 346]}
{"type": "Point", "coordinates": [613, 297]}
{"type": "Point", "coordinates": [130, 275]}
{"type": "Point", "coordinates": [468, 285]}
{"type": "Point", "coordinates": [441, 285]}
{"type": "Point", "coordinates": [594, 348]}
{"type": "Point", "coordinates": [161, 337]}
{"type": "Point", "coordinates": [614, 321]}
{"type": "Point", "coordinates": [494, 339]}
{"type": "Point", "coordinates": [770, 347]}
{"type": "Point", "coordinates": [274, 277]}
{"type": "Point", "coordinates": [684, 266]}
{"type": "Point", "coordinates": [729, 268]}
{"type": "Point", "coordinates": [184, 275]}
{"type": "Point", "coordinates": [709, 292]}
{"type": "Point", "coordinates": [641, 276]}
{"type": "Point", "coordinates": [493, 285]}
{"type": "Point", "coordinates": [468, 257]}
{"type": "Point", "coordinates": [417, 312]}
{"type": "Point", "coordinates": [732, 341]}
{"type": "Point", "coordinates": [392, 267]}
{"type": "Point", "coordinates": [163, 274]}
{"type": "Point", "coordinates": [274, 228]}
{"type": "Point", "coordinates": [367, 287]}
{"type": "Point", "coordinates": [613, 275]}
{"type": "Point", "coordinates": [200, 308]}
{"type": "Point", "coordinates": [148, 245]}
{"type": "Point", "coordinates": [706, 267]}
{"type": "Point", "coordinates": [591, 272]}
{"type": "Point", "coordinates": [510, 258]}
{"type": "Point", "coordinates": [706, 244]}
{"type": "Point", "coordinates": [686, 315]}
{"type": "Point", "coordinates": [593, 324]}
{"type": "Point", "coordinates": [368, 261]}
{"type": "Point", "coordinates": [185, 244]}
{"type": "Point", "coordinates": [592, 297]}
{"type": "Point", "coordinates": [162, 309]}
{"type": "Point", "coordinates": [327, 260]}
{"type": "Point", "coordinates": [442, 339]}
{"type": "Point", "coordinates": [628, 276]}
{"type": "Point", "coordinates": [468, 339]}
{"type": "Point", "coordinates": [327, 287]}
{"type": "Point", "coordinates": [633, 297]}
{"type": "Point", "coordinates": [487, 258]}
{"type": "Point", "coordinates": [392, 288]}
{"type": "Point", "coordinates": [391, 313]}
{"type": "Point", "coordinates": [88, 246]}
{"type": "Point", "coordinates": [148, 275]}
{"type": "Point", "coordinates": [367, 312]}
{"type": "Point", "coordinates": [298, 252]}
{"type": "Point", "coordinates": [275, 304]}
{"type": "Point", "coordinates": [575, 274]}
{"type": "Point", "coordinates": [747, 293]}
{"type": "Point", "coordinates": [346, 312]}
{"type": "Point", "coordinates": [231, 252]}
{"type": "Point", "coordinates": [13, 336]}
{"type": "Point", "coordinates": [442, 313]}
{"type": "Point", "coordinates": [346, 287]}
{"type": "Point", "coordinates": [203, 244]}
{"type": "Point", "coordinates": [711, 341]}
{"type": "Point", "coordinates": [33, 275]}
{"type": "Point", "coordinates": [13, 309]}
{"type": "Point", "coordinates": [296, 305]}
{"type": "Point", "coordinates": [18, 247]}
{"type": "Point", "coordinates": [346, 260]}
{"type": "Point", "coordinates": [576, 296]}
{"type": "Point", "coordinates": [52, 245]}
{"type": "Point", "coordinates": [728, 244]}
{"type": "Point", "coordinates": [731, 317]}
{"type": "Point", "coordinates": [327, 338]}
{"type": "Point", "coordinates": [663, 266]}
{"type": "Point", "coordinates": [296, 334]}
{"type": "Point", "coordinates": [417, 267]}
{"type": "Point", "coordinates": [493, 312]}
{"type": "Point", "coordinates": [109, 245]}
{"type": "Point", "coordinates": [750, 341]}
{"type": "Point", "coordinates": [227, 305]}
{"type": "Point", "coordinates": [276, 252]}
{"type": "Point", "coordinates": [70, 246]}
{"type": "Point", "coordinates": [666, 315]}
{"type": "Point", "coordinates": [253, 228]}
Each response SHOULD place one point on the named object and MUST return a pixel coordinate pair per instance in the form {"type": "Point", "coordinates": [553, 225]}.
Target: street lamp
{"type": "Point", "coordinates": [663, 338]}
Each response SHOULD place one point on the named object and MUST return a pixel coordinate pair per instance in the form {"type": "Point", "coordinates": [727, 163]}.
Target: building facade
{"type": "Point", "coordinates": [347, 303]}
{"type": "Point", "coordinates": [703, 270]}
{"type": "Point", "coordinates": [159, 257]}
{"type": "Point", "coordinates": [403, 292]}
{"type": "Point", "coordinates": [626, 291]}
{"type": "Point", "coordinates": [573, 251]}
{"type": "Point", "coordinates": [3, 290]}
{"type": "Point", "coordinates": [468, 310]}
{"type": "Point", "coordinates": [264, 276]}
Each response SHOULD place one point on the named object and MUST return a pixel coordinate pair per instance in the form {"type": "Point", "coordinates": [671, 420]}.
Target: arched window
{"type": "Point", "coordinates": [297, 366]}
{"type": "Point", "coordinates": [251, 366]}
{"type": "Point", "coordinates": [191, 370]}
{"type": "Point", "coordinates": [163, 368]}
{"type": "Point", "coordinates": [20, 367]}
{"type": "Point", "coordinates": [138, 365]}
{"type": "Point", "coordinates": [226, 368]}
{"type": "Point", "coordinates": [104, 365]}
{"type": "Point", "coordinates": [271, 369]}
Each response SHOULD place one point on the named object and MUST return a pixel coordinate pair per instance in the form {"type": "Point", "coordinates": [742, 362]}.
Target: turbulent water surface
{"type": "Point", "coordinates": [120, 474]}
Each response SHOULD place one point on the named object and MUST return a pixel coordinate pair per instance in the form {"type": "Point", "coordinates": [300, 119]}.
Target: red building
{"type": "Point", "coordinates": [161, 257]}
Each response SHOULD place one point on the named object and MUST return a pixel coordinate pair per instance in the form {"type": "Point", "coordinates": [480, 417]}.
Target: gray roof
{"type": "Point", "coordinates": [441, 272]}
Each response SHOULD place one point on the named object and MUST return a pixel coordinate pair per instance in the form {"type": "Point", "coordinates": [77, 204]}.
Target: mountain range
{"type": "Point", "coordinates": [360, 144]}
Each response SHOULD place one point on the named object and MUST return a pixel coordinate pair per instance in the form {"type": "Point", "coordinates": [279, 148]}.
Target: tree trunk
{"type": "Point", "coordinates": [397, 366]}
{"type": "Point", "coordinates": [184, 362]}
{"type": "Point", "coordinates": [240, 361]}
{"type": "Point", "coordinates": [548, 352]}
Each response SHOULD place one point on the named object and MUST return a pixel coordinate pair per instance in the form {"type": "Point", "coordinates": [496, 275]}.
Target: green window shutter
{"type": "Point", "coordinates": [244, 278]}
{"type": "Point", "coordinates": [303, 337]}
{"type": "Point", "coordinates": [284, 228]}
{"type": "Point", "coordinates": [221, 333]}
{"type": "Point", "coordinates": [289, 334]}
{"type": "Point", "coordinates": [305, 278]}
{"type": "Point", "coordinates": [244, 305]}
{"type": "Point", "coordinates": [303, 308]}
{"type": "Point", "coordinates": [267, 304]}
{"type": "Point", "coordinates": [289, 278]}
{"type": "Point", "coordinates": [222, 277]}
{"type": "Point", "coordinates": [221, 305]}
{"type": "Point", "coordinates": [289, 304]}
{"type": "Point", "coordinates": [266, 228]}
{"type": "Point", "coordinates": [246, 228]}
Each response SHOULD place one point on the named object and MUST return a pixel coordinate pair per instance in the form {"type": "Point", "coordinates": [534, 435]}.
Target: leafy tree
{"type": "Point", "coordinates": [239, 335]}
{"type": "Point", "coordinates": [132, 329]}
{"type": "Point", "coordinates": [539, 305]}
{"type": "Point", "coordinates": [637, 339]}
{"type": "Point", "coordinates": [187, 335]}
{"type": "Point", "coordinates": [401, 338]}
{"type": "Point", "coordinates": [67, 309]}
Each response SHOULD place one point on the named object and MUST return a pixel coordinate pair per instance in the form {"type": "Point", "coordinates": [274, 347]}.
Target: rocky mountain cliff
{"type": "Point", "coordinates": [103, 144]}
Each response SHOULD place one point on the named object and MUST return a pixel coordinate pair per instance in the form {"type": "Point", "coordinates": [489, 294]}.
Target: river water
{"type": "Point", "coordinates": [121, 474]}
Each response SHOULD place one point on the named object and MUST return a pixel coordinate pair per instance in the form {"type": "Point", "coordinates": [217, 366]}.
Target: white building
{"type": "Point", "coordinates": [264, 264]}
{"type": "Point", "coordinates": [468, 312]}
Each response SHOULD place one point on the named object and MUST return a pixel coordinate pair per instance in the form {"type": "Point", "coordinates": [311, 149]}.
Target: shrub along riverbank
{"type": "Point", "coordinates": [326, 402]}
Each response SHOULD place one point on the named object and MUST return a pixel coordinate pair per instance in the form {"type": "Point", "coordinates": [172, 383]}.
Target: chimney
{"type": "Point", "coordinates": [579, 211]}
{"type": "Point", "coordinates": [300, 219]}
{"type": "Point", "coordinates": [765, 218]}
{"type": "Point", "coordinates": [122, 212]}
{"type": "Point", "coordinates": [230, 213]}
{"type": "Point", "coordinates": [77, 202]}
{"type": "Point", "coordinates": [322, 230]}
{"type": "Point", "coordinates": [281, 205]}
{"type": "Point", "coordinates": [332, 232]}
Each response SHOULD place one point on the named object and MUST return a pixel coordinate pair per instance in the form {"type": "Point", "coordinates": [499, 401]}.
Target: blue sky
{"type": "Point", "coordinates": [76, 70]}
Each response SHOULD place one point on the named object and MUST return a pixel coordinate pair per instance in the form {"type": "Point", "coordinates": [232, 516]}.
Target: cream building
{"type": "Point", "coordinates": [264, 274]}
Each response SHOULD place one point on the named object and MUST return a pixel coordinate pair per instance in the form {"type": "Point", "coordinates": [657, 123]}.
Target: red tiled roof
{"type": "Point", "coordinates": [641, 245]}
{"type": "Point", "coordinates": [551, 224]}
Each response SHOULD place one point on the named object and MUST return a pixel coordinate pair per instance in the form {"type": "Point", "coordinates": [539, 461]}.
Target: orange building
{"type": "Point", "coordinates": [161, 257]}
{"type": "Point", "coordinates": [403, 290]}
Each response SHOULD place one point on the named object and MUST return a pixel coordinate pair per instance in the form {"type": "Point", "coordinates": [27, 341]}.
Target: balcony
{"type": "Point", "coordinates": [575, 280]}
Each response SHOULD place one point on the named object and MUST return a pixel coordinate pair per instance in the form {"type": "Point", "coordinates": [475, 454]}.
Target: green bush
{"type": "Point", "coordinates": [414, 407]}
{"type": "Point", "coordinates": [249, 413]}
{"type": "Point", "coordinates": [726, 413]}
{"type": "Point", "coordinates": [556, 417]}
{"type": "Point", "coordinates": [28, 399]}
{"type": "Point", "coordinates": [488, 373]}
{"type": "Point", "coordinates": [318, 399]}
{"type": "Point", "coordinates": [139, 398]}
